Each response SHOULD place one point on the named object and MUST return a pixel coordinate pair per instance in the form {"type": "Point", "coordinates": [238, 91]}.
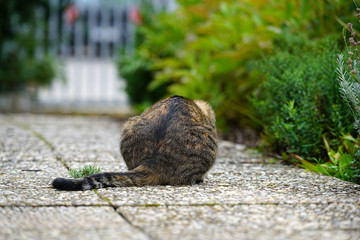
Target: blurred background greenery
{"type": "Point", "coordinates": [20, 67]}
{"type": "Point", "coordinates": [208, 50]}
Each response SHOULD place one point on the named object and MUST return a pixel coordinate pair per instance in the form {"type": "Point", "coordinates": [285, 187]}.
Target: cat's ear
{"type": "Point", "coordinates": [207, 110]}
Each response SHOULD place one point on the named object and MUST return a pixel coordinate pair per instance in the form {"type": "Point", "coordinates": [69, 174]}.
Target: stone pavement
{"type": "Point", "coordinates": [243, 197]}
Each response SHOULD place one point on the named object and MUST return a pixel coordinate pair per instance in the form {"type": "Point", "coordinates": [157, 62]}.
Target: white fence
{"type": "Point", "coordinates": [92, 85]}
{"type": "Point", "coordinates": [86, 37]}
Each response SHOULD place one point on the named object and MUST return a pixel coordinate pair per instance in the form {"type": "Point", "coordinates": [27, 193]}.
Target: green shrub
{"type": "Point", "coordinates": [202, 51]}
{"type": "Point", "coordinates": [349, 74]}
{"type": "Point", "coordinates": [300, 100]}
{"type": "Point", "coordinates": [205, 49]}
{"type": "Point", "coordinates": [44, 71]}
{"type": "Point", "coordinates": [345, 162]}
{"type": "Point", "coordinates": [135, 68]}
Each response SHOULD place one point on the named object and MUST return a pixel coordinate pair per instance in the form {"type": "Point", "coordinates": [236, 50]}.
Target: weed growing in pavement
{"type": "Point", "coordinates": [343, 163]}
{"type": "Point", "coordinates": [85, 171]}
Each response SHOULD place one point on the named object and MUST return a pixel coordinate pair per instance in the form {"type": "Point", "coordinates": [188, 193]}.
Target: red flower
{"type": "Point", "coordinates": [135, 15]}
{"type": "Point", "coordinates": [71, 14]}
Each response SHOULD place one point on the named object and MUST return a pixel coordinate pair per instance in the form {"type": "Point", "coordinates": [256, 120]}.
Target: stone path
{"type": "Point", "coordinates": [244, 196]}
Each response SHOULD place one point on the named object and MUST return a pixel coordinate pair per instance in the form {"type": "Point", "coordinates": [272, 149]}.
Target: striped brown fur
{"type": "Point", "coordinates": [173, 142]}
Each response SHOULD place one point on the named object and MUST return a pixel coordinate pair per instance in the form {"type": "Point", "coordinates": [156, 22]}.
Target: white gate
{"type": "Point", "coordinates": [87, 36]}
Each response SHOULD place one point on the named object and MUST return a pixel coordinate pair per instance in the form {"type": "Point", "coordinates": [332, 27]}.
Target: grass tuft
{"type": "Point", "coordinates": [85, 171]}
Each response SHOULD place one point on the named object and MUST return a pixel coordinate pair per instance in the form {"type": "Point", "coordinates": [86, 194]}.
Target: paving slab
{"type": "Point", "coordinates": [230, 153]}
{"type": "Point", "coordinates": [65, 223]}
{"type": "Point", "coordinates": [79, 139]}
{"type": "Point", "coordinates": [28, 189]}
{"type": "Point", "coordinates": [300, 221]}
{"type": "Point", "coordinates": [20, 149]}
{"type": "Point", "coordinates": [27, 167]}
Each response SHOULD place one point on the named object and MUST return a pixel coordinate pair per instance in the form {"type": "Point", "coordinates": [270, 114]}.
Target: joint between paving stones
{"type": "Point", "coordinates": [52, 205]}
{"type": "Point", "coordinates": [115, 208]}
{"type": "Point", "coordinates": [42, 138]}
{"type": "Point", "coordinates": [226, 204]}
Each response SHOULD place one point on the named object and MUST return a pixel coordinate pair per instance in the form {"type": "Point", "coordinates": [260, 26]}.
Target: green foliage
{"type": "Point", "coordinates": [349, 74]}
{"type": "Point", "coordinates": [85, 171]}
{"type": "Point", "coordinates": [205, 49]}
{"type": "Point", "coordinates": [135, 68]}
{"type": "Point", "coordinates": [208, 54]}
{"type": "Point", "coordinates": [300, 100]}
{"type": "Point", "coordinates": [44, 71]}
{"type": "Point", "coordinates": [318, 18]}
{"type": "Point", "coordinates": [350, 87]}
{"type": "Point", "coordinates": [343, 163]}
{"type": "Point", "coordinates": [19, 65]}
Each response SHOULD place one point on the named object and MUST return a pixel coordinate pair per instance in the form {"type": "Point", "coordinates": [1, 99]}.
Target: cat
{"type": "Point", "coordinates": [173, 142]}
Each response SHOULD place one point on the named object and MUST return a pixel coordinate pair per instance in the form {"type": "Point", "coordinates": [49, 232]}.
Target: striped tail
{"type": "Point", "coordinates": [136, 177]}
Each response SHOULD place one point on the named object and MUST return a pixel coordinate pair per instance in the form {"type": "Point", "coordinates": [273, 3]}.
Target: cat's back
{"type": "Point", "coordinates": [168, 127]}
{"type": "Point", "coordinates": [173, 112]}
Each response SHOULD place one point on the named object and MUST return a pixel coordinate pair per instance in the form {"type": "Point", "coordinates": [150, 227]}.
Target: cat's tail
{"type": "Point", "coordinates": [137, 177]}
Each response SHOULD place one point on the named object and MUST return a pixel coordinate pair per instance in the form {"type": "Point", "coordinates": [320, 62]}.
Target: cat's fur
{"type": "Point", "coordinates": [173, 142]}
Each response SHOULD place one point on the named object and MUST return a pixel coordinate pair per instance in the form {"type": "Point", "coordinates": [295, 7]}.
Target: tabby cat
{"type": "Point", "coordinates": [173, 142]}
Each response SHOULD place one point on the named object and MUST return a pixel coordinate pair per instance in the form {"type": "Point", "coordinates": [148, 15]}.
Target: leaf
{"type": "Point", "coordinates": [312, 167]}
{"type": "Point", "coordinates": [326, 143]}
{"type": "Point", "coordinates": [345, 160]}
{"type": "Point", "coordinates": [350, 138]}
